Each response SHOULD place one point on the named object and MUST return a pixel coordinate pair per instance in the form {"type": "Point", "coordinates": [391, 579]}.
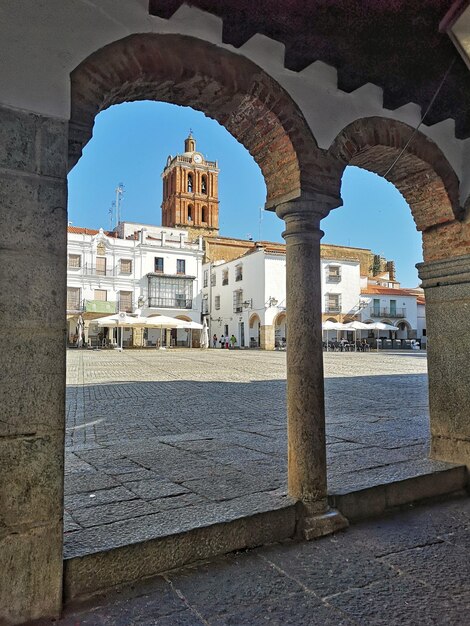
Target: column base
{"type": "Point", "coordinates": [313, 524]}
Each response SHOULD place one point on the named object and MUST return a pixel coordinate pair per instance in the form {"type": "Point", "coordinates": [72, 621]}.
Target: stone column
{"type": "Point", "coordinates": [447, 289]}
{"type": "Point", "coordinates": [33, 240]}
{"type": "Point", "coordinates": [305, 386]}
{"type": "Point", "coordinates": [267, 337]}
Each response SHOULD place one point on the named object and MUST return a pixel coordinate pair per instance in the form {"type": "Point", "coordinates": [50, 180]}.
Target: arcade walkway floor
{"type": "Point", "coordinates": [160, 441]}
{"type": "Point", "coordinates": [411, 568]}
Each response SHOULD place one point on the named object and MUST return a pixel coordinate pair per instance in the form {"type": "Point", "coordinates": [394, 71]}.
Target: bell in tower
{"type": "Point", "coordinates": [190, 192]}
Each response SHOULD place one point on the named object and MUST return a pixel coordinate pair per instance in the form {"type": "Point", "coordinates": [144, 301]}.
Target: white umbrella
{"type": "Point", "coordinates": [192, 325]}
{"type": "Point", "coordinates": [119, 320]}
{"type": "Point", "coordinates": [204, 336]}
{"type": "Point", "coordinates": [329, 325]}
{"type": "Point", "coordinates": [355, 326]}
{"type": "Point", "coordinates": [378, 326]}
{"type": "Point", "coordinates": [79, 331]}
{"type": "Point", "coordinates": [161, 322]}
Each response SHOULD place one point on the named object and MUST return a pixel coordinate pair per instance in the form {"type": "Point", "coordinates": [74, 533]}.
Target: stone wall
{"type": "Point", "coordinates": [33, 199]}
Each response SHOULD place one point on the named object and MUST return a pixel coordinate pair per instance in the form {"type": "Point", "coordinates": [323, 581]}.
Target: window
{"type": "Point", "coordinates": [125, 301]}
{"type": "Point", "coordinates": [75, 260]}
{"type": "Point", "coordinates": [180, 266]}
{"type": "Point", "coordinates": [190, 212]}
{"type": "Point", "coordinates": [334, 273]}
{"type": "Point", "coordinates": [238, 301]}
{"type": "Point", "coordinates": [170, 292]}
{"type": "Point", "coordinates": [159, 264]}
{"type": "Point", "coordinates": [101, 265]}
{"type": "Point", "coordinates": [125, 266]}
{"type": "Point", "coordinates": [101, 295]}
{"type": "Point", "coordinates": [239, 272]}
{"type": "Point", "coordinates": [226, 329]}
{"type": "Point", "coordinates": [376, 307]}
{"type": "Point", "coordinates": [206, 278]}
{"type": "Point", "coordinates": [205, 305]}
{"type": "Point", "coordinates": [190, 182]}
{"type": "Point", "coordinates": [73, 298]}
{"type": "Point", "coordinates": [204, 189]}
{"type": "Point", "coordinates": [393, 308]}
{"type": "Point", "coordinates": [204, 214]}
{"type": "Point", "coordinates": [225, 277]}
{"type": "Point", "coordinates": [333, 303]}
{"type": "Point", "coordinates": [213, 279]}
{"type": "Point", "coordinates": [217, 303]}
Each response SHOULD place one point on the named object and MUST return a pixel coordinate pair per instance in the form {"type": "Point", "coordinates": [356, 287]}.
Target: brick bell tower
{"type": "Point", "coordinates": [190, 192]}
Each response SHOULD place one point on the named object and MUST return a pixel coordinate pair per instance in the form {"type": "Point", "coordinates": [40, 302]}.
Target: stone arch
{"type": "Point", "coordinates": [403, 333]}
{"type": "Point", "coordinates": [254, 324]}
{"type": "Point", "coordinates": [422, 175]}
{"type": "Point", "coordinates": [280, 329]}
{"type": "Point", "coordinates": [225, 86]}
{"type": "Point", "coordinates": [190, 213]}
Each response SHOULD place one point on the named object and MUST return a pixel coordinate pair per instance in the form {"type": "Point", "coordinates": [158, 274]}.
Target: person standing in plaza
{"type": "Point", "coordinates": [214, 341]}
{"type": "Point", "coordinates": [233, 341]}
{"type": "Point", "coordinates": [227, 342]}
{"type": "Point", "coordinates": [222, 341]}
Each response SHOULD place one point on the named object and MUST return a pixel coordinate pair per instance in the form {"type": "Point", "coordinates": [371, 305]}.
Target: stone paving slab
{"type": "Point", "coordinates": [412, 568]}
{"type": "Point", "coordinates": [191, 428]}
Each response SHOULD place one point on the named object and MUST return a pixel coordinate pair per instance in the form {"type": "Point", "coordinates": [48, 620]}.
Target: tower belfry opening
{"type": "Point", "coordinates": [190, 191]}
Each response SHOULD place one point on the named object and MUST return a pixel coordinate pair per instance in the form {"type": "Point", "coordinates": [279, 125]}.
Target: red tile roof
{"type": "Point", "coordinates": [78, 230]}
{"type": "Point", "coordinates": [390, 291]}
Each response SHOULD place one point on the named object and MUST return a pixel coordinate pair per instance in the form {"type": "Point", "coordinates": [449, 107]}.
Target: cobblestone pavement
{"type": "Point", "coordinates": [156, 439]}
{"type": "Point", "coordinates": [411, 568]}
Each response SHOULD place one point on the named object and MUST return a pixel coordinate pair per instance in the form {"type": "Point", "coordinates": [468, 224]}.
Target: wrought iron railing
{"type": "Point", "coordinates": [388, 312]}
{"type": "Point", "coordinates": [170, 303]}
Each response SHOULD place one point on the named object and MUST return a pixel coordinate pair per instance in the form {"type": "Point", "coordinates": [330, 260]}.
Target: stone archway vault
{"type": "Point", "coordinates": [225, 86]}
{"type": "Point", "coordinates": [429, 184]}
{"type": "Point", "coordinates": [302, 185]}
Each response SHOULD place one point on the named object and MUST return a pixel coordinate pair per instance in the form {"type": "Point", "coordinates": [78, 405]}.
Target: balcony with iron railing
{"type": "Point", "coordinates": [105, 307]}
{"type": "Point", "coordinates": [92, 270]}
{"type": "Point", "coordinates": [333, 308]}
{"type": "Point", "coordinates": [387, 312]}
{"type": "Point", "coordinates": [333, 278]}
{"type": "Point", "coordinates": [172, 302]}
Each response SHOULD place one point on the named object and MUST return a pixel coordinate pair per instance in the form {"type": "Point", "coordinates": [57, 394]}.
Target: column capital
{"type": "Point", "coordinates": [303, 215]}
{"type": "Point", "coordinates": [444, 272]}
{"type": "Point", "coordinates": [312, 207]}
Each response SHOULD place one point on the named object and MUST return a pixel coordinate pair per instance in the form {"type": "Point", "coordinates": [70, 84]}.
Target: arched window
{"type": "Point", "coordinates": [204, 185]}
{"type": "Point", "coordinates": [190, 212]}
{"type": "Point", "coordinates": [204, 214]}
{"type": "Point", "coordinates": [190, 182]}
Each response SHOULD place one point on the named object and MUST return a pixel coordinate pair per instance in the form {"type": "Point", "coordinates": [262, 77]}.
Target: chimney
{"type": "Point", "coordinates": [163, 238]}
{"type": "Point", "coordinates": [142, 235]}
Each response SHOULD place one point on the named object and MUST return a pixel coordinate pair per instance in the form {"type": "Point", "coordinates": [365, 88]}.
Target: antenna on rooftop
{"type": "Point", "coordinates": [111, 214]}
{"type": "Point", "coordinates": [119, 194]}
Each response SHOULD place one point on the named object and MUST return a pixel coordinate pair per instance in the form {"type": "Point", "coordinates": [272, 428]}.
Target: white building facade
{"type": "Point", "coordinates": [246, 297]}
{"type": "Point", "coordinates": [136, 268]}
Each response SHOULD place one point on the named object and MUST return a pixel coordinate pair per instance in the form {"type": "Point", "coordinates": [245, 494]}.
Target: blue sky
{"type": "Point", "coordinates": [131, 143]}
